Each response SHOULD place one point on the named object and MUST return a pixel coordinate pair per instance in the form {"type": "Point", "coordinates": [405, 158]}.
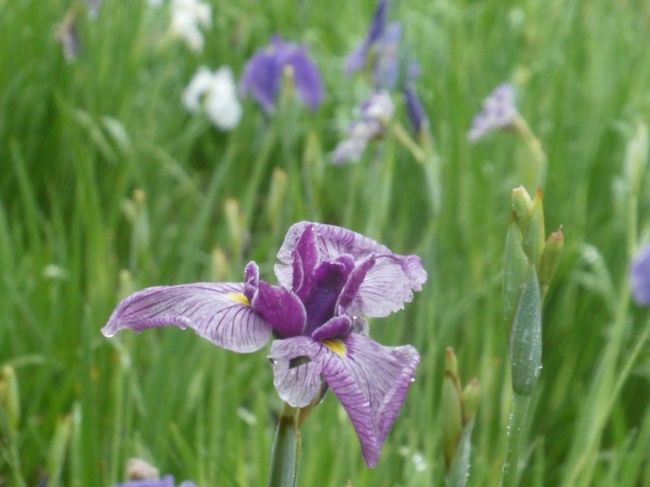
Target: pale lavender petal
{"type": "Point", "coordinates": [640, 276]}
{"type": "Point", "coordinates": [281, 308]}
{"type": "Point", "coordinates": [218, 312]}
{"type": "Point", "coordinates": [371, 381]}
{"type": "Point", "coordinates": [305, 260]}
{"type": "Point", "coordinates": [499, 112]}
{"type": "Point", "coordinates": [252, 279]}
{"type": "Point", "coordinates": [355, 280]}
{"type": "Point", "coordinates": [337, 327]}
{"type": "Point", "coordinates": [349, 150]}
{"type": "Point", "coordinates": [387, 285]}
{"type": "Point", "coordinates": [356, 60]}
{"type": "Point", "coordinates": [296, 370]}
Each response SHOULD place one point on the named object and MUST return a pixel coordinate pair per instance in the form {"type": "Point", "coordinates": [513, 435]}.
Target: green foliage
{"type": "Point", "coordinates": [104, 172]}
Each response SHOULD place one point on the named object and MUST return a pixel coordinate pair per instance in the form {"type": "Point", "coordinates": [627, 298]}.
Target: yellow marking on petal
{"type": "Point", "coordinates": [336, 346]}
{"type": "Point", "coordinates": [240, 298]}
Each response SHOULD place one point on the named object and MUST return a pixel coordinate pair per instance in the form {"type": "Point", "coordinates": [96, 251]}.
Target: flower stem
{"type": "Point", "coordinates": [516, 430]}
{"type": "Point", "coordinates": [286, 449]}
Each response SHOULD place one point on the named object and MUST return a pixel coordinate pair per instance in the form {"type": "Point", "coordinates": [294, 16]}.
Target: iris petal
{"type": "Point", "coordinates": [215, 312]}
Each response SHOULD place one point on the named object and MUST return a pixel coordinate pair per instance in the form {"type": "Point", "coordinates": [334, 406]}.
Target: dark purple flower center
{"type": "Point", "coordinates": [328, 281]}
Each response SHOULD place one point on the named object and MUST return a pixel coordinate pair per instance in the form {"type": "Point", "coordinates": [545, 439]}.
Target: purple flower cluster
{"type": "Point", "coordinates": [373, 118]}
{"type": "Point", "coordinates": [329, 278]}
{"type": "Point", "coordinates": [640, 276]}
{"type": "Point", "coordinates": [264, 73]}
{"type": "Point", "coordinates": [499, 112]}
{"type": "Point", "coordinates": [166, 481]}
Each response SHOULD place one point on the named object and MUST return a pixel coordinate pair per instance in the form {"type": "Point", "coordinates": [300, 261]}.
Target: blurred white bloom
{"type": "Point", "coordinates": [216, 94]}
{"type": "Point", "coordinates": [139, 469]}
{"type": "Point", "coordinates": [187, 18]}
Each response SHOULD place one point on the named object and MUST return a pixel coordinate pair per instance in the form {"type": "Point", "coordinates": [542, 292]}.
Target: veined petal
{"type": "Point", "coordinates": [252, 279]}
{"type": "Point", "coordinates": [371, 381]}
{"type": "Point", "coordinates": [296, 370]}
{"type": "Point", "coordinates": [281, 308]}
{"type": "Point", "coordinates": [387, 285]}
{"type": "Point", "coordinates": [219, 312]}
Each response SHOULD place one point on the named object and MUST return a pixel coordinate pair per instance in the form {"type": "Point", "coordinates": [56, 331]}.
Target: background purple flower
{"type": "Point", "coordinates": [166, 481]}
{"type": "Point", "coordinates": [416, 112]}
{"type": "Point", "coordinates": [264, 72]}
{"type": "Point", "coordinates": [499, 112]}
{"type": "Point", "coordinates": [640, 276]}
{"type": "Point", "coordinates": [328, 276]}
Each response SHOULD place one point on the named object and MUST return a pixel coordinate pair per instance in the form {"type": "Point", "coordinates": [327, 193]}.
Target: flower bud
{"type": "Point", "coordinates": [451, 407]}
{"type": "Point", "coordinates": [551, 258]}
{"type": "Point", "coordinates": [533, 231]}
{"type": "Point", "coordinates": [522, 204]}
{"type": "Point", "coordinates": [276, 196]}
{"type": "Point", "coordinates": [236, 227]}
{"type": "Point", "coordinates": [470, 398]}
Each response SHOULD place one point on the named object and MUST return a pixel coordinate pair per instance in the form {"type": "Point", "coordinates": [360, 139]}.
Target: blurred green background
{"type": "Point", "coordinates": [108, 185]}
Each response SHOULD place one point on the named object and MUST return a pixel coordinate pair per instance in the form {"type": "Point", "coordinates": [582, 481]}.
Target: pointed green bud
{"type": "Point", "coordinates": [551, 258]}
{"type": "Point", "coordinates": [533, 231]}
{"type": "Point", "coordinates": [526, 338]}
{"type": "Point", "coordinates": [522, 205]}
{"type": "Point", "coordinates": [452, 412]}
{"type": "Point", "coordinates": [10, 396]}
{"type": "Point", "coordinates": [470, 398]}
{"type": "Point", "coordinates": [220, 268]}
{"type": "Point", "coordinates": [515, 271]}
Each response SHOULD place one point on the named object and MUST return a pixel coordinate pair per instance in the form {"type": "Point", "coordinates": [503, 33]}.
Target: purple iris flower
{"type": "Point", "coordinates": [640, 276]}
{"type": "Point", "coordinates": [166, 481]}
{"type": "Point", "coordinates": [264, 73]}
{"type": "Point", "coordinates": [499, 112]}
{"type": "Point", "coordinates": [329, 277]}
{"type": "Point", "coordinates": [379, 50]}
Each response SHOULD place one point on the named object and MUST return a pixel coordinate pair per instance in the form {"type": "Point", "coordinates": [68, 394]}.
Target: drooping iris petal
{"type": "Point", "coordinates": [337, 327]}
{"type": "Point", "coordinates": [280, 308]}
{"type": "Point", "coordinates": [219, 312]}
{"type": "Point", "coordinates": [387, 285]}
{"type": "Point", "coordinates": [640, 276]}
{"type": "Point", "coordinates": [263, 77]}
{"type": "Point", "coordinates": [358, 58]}
{"type": "Point", "coordinates": [296, 372]}
{"type": "Point", "coordinates": [371, 382]}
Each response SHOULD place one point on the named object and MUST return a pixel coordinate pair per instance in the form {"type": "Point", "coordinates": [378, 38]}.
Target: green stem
{"type": "Point", "coordinates": [536, 173]}
{"type": "Point", "coordinates": [516, 435]}
{"type": "Point", "coordinates": [286, 449]}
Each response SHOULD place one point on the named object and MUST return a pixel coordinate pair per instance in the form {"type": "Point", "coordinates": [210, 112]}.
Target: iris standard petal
{"type": "Point", "coordinates": [371, 381]}
{"type": "Point", "coordinates": [640, 276]}
{"type": "Point", "coordinates": [296, 370]}
{"type": "Point", "coordinates": [219, 312]}
{"type": "Point", "coordinates": [387, 285]}
{"type": "Point", "coordinates": [281, 308]}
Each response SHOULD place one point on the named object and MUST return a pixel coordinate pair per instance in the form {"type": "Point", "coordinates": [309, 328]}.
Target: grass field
{"type": "Point", "coordinates": [108, 185]}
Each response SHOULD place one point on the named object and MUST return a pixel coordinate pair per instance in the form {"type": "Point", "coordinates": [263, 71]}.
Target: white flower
{"type": "Point", "coordinates": [187, 18]}
{"type": "Point", "coordinates": [216, 94]}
